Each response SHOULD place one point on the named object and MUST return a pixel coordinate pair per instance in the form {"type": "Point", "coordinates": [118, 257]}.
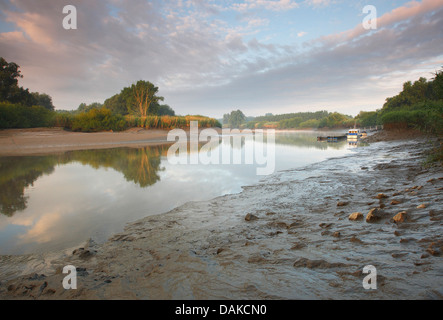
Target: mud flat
{"type": "Point", "coordinates": [19, 142]}
{"type": "Point", "coordinates": [287, 237]}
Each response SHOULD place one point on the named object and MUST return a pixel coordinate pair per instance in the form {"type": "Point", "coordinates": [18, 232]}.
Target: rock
{"type": "Point", "coordinates": [220, 250]}
{"type": "Point", "coordinates": [356, 216]}
{"type": "Point", "coordinates": [400, 217]}
{"type": "Point", "coordinates": [82, 253]}
{"type": "Point", "coordinates": [422, 206]}
{"type": "Point", "coordinates": [250, 217]}
{"type": "Point", "coordinates": [373, 215]}
{"type": "Point", "coordinates": [381, 196]}
{"type": "Point", "coordinates": [298, 246]}
{"type": "Point", "coordinates": [342, 203]}
{"type": "Point", "coordinates": [336, 234]}
{"type": "Point", "coordinates": [355, 240]}
{"type": "Point", "coordinates": [394, 202]}
{"type": "Point", "coordinates": [317, 264]}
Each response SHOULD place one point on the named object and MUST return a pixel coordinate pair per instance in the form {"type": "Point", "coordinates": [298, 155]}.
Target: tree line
{"type": "Point", "coordinates": [136, 105]}
{"type": "Point", "coordinates": [418, 105]}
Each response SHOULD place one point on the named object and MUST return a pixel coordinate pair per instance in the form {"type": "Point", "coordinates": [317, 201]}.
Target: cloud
{"type": "Point", "coordinates": [318, 3]}
{"type": "Point", "coordinates": [205, 62]}
{"type": "Point", "coordinates": [273, 5]}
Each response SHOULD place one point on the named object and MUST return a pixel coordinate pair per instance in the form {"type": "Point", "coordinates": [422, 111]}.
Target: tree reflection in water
{"type": "Point", "coordinates": [138, 165]}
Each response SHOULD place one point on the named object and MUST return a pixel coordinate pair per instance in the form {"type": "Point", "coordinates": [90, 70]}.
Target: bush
{"type": "Point", "coordinates": [98, 120]}
{"type": "Point", "coordinates": [19, 116]}
{"type": "Point", "coordinates": [425, 116]}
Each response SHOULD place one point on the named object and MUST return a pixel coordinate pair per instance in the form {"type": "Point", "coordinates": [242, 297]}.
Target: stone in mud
{"type": "Point", "coordinates": [356, 216]}
{"type": "Point", "coordinates": [298, 246]}
{"type": "Point", "coordinates": [336, 234]}
{"type": "Point", "coordinates": [316, 264]}
{"type": "Point", "coordinates": [356, 240]}
{"type": "Point", "coordinates": [400, 217]}
{"type": "Point", "coordinates": [82, 253]}
{"type": "Point", "coordinates": [394, 202]}
{"type": "Point", "coordinates": [381, 196]}
{"type": "Point", "coordinates": [374, 215]}
{"type": "Point", "coordinates": [422, 206]}
{"type": "Point", "coordinates": [342, 203]}
{"type": "Point", "coordinates": [250, 217]}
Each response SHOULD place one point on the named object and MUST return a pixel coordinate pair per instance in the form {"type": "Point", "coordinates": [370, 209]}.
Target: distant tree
{"type": "Point", "coordinates": [236, 118]}
{"type": "Point", "coordinates": [44, 100]}
{"type": "Point", "coordinates": [144, 98]}
{"type": "Point", "coordinates": [116, 104]}
{"type": "Point", "coordinates": [367, 118]}
{"type": "Point", "coordinates": [165, 110]}
{"type": "Point", "coordinates": [226, 118]}
{"type": "Point", "coordinates": [83, 107]}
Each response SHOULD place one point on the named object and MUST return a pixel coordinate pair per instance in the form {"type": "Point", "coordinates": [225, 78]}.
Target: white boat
{"type": "Point", "coordinates": [354, 134]}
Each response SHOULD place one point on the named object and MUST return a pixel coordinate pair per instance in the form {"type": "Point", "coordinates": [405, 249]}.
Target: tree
{"type": "Point", "coordinates": [144, 98]}
{"type": "Point", "coordinates": [11, 92]}
{"type": "Point", "coordinates": [165, 110]}
{"type": "Point", "coordinates": [83, 107]}
{"type": "Point", "coordinates": [236, 118]}
{"type": "Point", "coordinates": [437, 85]}
{"type": "Point", "coordinates": [117, 104]}
{"type": "Point", "coordinates": [9, 74]}
{"type": "Point", "coordinates": [44, 100]}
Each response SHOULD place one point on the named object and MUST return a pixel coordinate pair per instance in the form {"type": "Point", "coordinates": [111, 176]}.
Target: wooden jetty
{"type": "Point", "coordinates": [331, 138]}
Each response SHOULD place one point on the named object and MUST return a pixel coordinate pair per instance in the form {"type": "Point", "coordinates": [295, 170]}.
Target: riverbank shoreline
{"type": "Point", "coordinates": [287, 237]}
{"type": "Point", "coordinates": [40, 141]}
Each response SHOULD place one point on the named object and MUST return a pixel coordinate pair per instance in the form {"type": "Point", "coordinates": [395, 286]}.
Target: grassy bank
{"type": "Point", "coordinates": [19, 116]}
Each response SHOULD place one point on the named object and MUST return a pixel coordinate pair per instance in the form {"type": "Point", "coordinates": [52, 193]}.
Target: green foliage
{"type": "Point", "coordinates": [98, 120]}
{"type": "Point", "coordinates": [165, 110]}
{"type": "Point", "coordinates": [44, 100]}
{"type": "Point", "coordinates": [303, 115]}
{"type": "Point", "coordinates": [235, 119]}
{"type": "Point", "coordinates": [20, 116]}
{"type": "Point", "coordinates": [367, 118]}
{"type": "Point", "coordinates": [311, 123]}
{"type": "Point", "coordinates": [425, 116]}
{"type": "Point", "coordinates": [11, 92]}
{"type": "Point", "coordinates": [290, 123]}
{"type": "Point", "coordinates": [83, 107]}
{"type": "Point", "coordinates": [335, 120]}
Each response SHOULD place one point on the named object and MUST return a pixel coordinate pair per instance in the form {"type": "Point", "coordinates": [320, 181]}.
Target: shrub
{"type": "Point", "coordinates": [19, 116]}
{"type": "Point", "coordinates": [98, 120]}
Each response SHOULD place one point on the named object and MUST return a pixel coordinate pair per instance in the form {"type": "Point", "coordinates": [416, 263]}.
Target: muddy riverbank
{"type": "Point", "coordinates": [287, 237]}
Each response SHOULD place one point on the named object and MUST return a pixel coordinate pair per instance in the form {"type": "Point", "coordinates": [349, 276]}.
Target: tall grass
{"type": "Point", "coordinates": [170, 122]}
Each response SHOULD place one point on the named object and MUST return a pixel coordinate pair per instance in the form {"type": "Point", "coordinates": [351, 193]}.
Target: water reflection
{"type": "Point", "coordinates": [139, 165]}
{"type": "Point", "coordinates": [57, 201]}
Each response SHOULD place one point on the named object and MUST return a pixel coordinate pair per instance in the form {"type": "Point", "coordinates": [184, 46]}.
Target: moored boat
{"type": "Point", "coordinates": [354, 133]}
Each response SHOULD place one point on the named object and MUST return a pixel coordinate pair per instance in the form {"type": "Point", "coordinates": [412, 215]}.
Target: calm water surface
{"type": "Point", "coordinates": [58, 201]}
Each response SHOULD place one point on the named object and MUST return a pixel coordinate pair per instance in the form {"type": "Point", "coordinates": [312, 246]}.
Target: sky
{"type": "Point", "coordinates": [212, 57]}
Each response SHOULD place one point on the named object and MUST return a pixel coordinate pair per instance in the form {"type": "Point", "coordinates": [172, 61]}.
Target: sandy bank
{"type": "Point", "coordinates": [49, 140]}
{"type": "Point", "coordinates": [297, 243]}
